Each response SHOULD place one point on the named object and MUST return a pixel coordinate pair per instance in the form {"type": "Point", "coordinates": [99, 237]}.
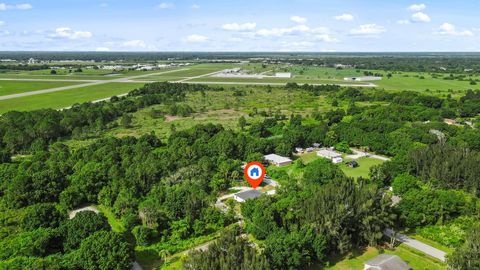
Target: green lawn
{"type": "Point", "coordinates": [117, 226]}
{"type": "Point", "coordinates": [363, 169]}
{"type": "Point", "coordinates": [66, 98]}
{"type": "Point", "coordinates": [15, 87]}
{"type": "Point", "coordinates": [415, 259]}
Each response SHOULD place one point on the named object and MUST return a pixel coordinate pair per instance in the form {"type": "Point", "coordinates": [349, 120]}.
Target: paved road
{"type": "Point", "coordinates": [424, 248]}
{"type": "Point", "coordinates": [90, 83]}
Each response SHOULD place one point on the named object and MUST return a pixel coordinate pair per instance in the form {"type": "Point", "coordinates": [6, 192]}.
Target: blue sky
{"type": "Point", "coordinates": [258, 25]}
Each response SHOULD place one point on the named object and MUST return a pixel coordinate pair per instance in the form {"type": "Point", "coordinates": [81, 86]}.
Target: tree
{"type": "Point", "coordinates": [321, 171]}
{"type": "Point", "coordinates": [105, 250]}
{"type": "Point", "coordinates": [43, 215]}
{"type": "Point", "coordinates": [403, 183]}
{"type": "Point", "coordinates": [467, 256]}
{"type": "Point", "coordinates": [127, 120]}
{"type": "Point", "coordinates": [84, 224]}
{"type": "Point", "coordinates": [53, 72]}
{"type": "Point", "coordinates": [242, 122]}
{"type": "Point", "coordinates": [231, 251]}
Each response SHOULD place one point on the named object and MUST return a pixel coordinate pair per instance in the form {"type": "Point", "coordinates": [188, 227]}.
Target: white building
{"type": "Point", "coordinates": [329, 154]}
{"type": "Point", "coordinates": [243, 196]}
{"type": "Point", "coordinates": [283, 75]}
{"type": "Point", "coordinates": [278, 160]}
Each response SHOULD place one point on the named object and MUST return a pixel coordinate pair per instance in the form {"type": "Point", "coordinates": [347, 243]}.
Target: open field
{"type": "Point", "coordinates": [302, 74]}
{"type": "Point", "coordinates": [62, 99]}
{"type": "Point", "coordinates": [15, 87]}
{"type": "Point", "coordinates": [223, 107]}
{"type": "Point", "coordinates": [363, 169]}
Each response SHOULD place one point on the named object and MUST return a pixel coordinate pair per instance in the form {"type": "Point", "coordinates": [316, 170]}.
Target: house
{"type": "Point", "coordinates": [386, 262]}
{"type": "Point", "coordinates": [316, 145]}
{"type": "Point", "coordinates": [299, 150]}
{"type": "Point", "coordinates": [278, 160]}
{"type": "Point", "coordinates": [283, 75]}
{"type": "Point", "coordinates": [329, 154]}
{"type": "Point", "coordinates": [243, 196]}
{"type": "Point", "coordinates": [352, 164]}
{"type": "Point", "coordinates": [310, 149]}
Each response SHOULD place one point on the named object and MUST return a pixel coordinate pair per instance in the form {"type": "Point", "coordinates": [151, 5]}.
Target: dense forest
{"type": "Point", "coordinates": [163, 191]}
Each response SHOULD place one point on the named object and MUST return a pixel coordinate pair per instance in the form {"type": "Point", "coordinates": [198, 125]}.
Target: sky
{"type": "Point", "coordinates": [240, 25]}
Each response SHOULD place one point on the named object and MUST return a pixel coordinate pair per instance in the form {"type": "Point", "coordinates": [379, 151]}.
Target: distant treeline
{"type": "Point", "coordinates": [421, 62]}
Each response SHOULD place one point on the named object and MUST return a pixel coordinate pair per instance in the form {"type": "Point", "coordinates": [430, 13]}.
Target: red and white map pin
{"type": "Point", "coordinates": [254, 173]}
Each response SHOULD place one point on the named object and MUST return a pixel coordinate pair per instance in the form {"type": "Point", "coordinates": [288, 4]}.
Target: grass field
{"type": "Point", "coordinates": [15, 87]}
{"type": "Point", "coordinates": [414, 259]}
{"type": "Point", "coordinates": [363, 169]}
{"type": "Point", "coordinates": [223, 107]}
{"type": "Point", "coordinates": [66, 98]}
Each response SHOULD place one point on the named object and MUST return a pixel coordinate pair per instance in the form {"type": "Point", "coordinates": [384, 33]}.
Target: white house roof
{"type": "Point", "coordinates": [328, 153]}
{"type": "Point", "coordinates": [274, 158]}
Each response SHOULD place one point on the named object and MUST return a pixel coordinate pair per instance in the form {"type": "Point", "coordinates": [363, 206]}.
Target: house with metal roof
{"type": "Point", "coordinates": [247, 195]}
{"type": "Point", "coordinates": [277, 160]}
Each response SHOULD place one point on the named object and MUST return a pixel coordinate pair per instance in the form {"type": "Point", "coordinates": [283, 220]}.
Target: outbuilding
{"type": "Point", "coordinates": [329, 154]}
{"type": "Point", "coordinates": [277, 160]}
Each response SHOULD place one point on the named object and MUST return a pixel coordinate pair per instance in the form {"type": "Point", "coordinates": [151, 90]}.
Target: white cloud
{"type": "Point", "coordinates": [403, 22]}
{"type": "Point", "coordinates": [345, 17]}
{"type": "Point", "coordinates": [297, 45]}
{"type": "Point", "coordinates": [67, 32]}
{"type": "Point", "coordinates": [102, 49]}
{"type": "Point", "coordinates": [450, 30]}
{"type": "Point", "coordinates": [239, 27]}
{"type": "Point", "coordinates": [104, 5]}
{"type": "Point", "coordinates": [278, 32]}
{"type": "Point", "coordinates": [298, 19]}
{"type": "Point", "coordinates": [2, 23]}
{"type": "Point", "coordinates": [194, 6]}
{"type": "Point", "coordinates": [137, 43]}
{"type": "Point", "coordinates": [368, 30]}
{"type": "Point", "coordinates": [420, 17]}
{"type": "Point", "coordinates": [417, 7]}
{"type": "Point", "coordinates": [235, 39]}
{"type": "Point", "coordinates": [196, 38]}
{"type": "Point", "coordinates": [24, 6]}
{"type": "Point", "coordinates": [326, 38]}
{"type": "Point", "coordinates": [165, 5]}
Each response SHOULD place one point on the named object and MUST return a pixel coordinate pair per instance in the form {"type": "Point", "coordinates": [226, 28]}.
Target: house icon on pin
{"type": "Point", "coordinates": [255, 172]}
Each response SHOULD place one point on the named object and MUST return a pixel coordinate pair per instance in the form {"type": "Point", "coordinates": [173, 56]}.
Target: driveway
{"type": "Point", "coordinates": [420, 246]}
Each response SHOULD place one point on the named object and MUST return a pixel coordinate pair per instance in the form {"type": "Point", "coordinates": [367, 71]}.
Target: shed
{"type": "Point", "coordinates": [352, 164]}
